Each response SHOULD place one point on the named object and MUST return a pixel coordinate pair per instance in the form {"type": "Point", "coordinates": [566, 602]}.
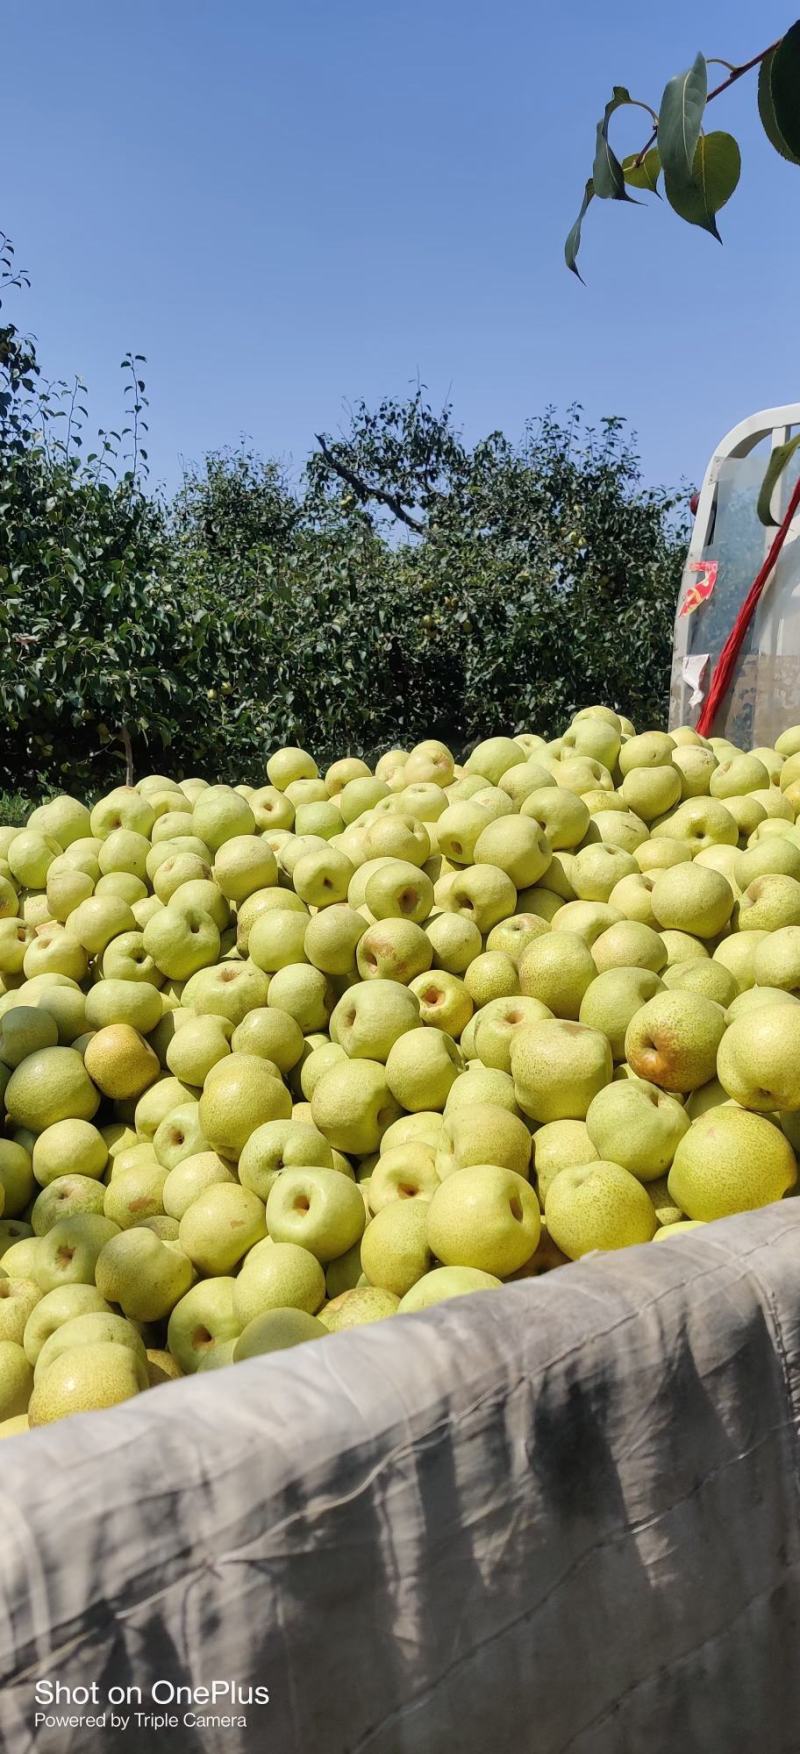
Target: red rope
{"type": "Point", "coordinates": [726, 662]}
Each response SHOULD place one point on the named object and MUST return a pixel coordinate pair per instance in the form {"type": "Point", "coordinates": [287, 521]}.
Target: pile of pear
{"type": "Point", "coordinates": [281, 1060]}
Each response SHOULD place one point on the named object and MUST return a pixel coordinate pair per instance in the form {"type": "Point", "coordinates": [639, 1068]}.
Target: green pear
{"type": "Point", "coordinates": [767, 858]}
{"type": "Point", "coordinates": [493, 758]}
{"type": "Point", "coordinates": [695, 766]}
{"type": "Point", "coordinates": [498, 1022]}
{"type": "Point", "coordinates": [30, 857]}
{"type": "Point", "coordinates": [560, 1145]}
{"type": "Point", "coordinates": [243, 864]}
{"type": "Point", "coordinates": [17, 1184]}
{"type": "Point", "coordinates": [480, 1084]}
{"type": "Point", "coordinates": [730, 1161]}
{"type": "Point", "coordinates": [562, 816]}
{"type": "Point", "coordinates": [518, 846]}
{"type": "Point", "coordinates": [278, 1275]}
{"type": "Point", "coordinates": [219, 813]}
{"type": "Point", "coordinates": [190, 1178]}
{"type": "Point", "coordinates": [630, 944]}
{"type": "Point", "coordinates": [444, 1002]}
{"type": "Point", "coordinates": [65, 1197]}
{"type": "Point", "coordinates": [631, 897]}
{"type": "Point", "coordinates": [759, 1059]}
{"type": "Point", "coordinates": [67, 1255]}
{"type": "Point", "coordinates": [482, 1216]}
{"type": "Point", "coordinates": [136, 1003]}
{"type": "Point", "coordinates": [65, 818]}
{"type": "Point", "coordinates": [638, 1126]}
{"type": "Point", "coordinates": [741, 773]}
{"type": "Point", "coordinates": [220, 1225]}
{"type": "Point", "coordinates": [557, 1068]}
{"type": "Point", "coordinates": [598, 1205]}
{"type": "Point", "coordinates": [277, 1330]}
{"type": "Point", "coordinates": [332, 938]}
{"type": "Point", "coordinates": [229, 990]}
{"type": "Point", "coordinates": [87, 1330]}
{"type": "Point", "coordinates": [769, 902]}
{"type": "Point", "coordinates": [323, 877]}
{"type": "Point", "coordinates": [271, 1034]}
{"type": "Point", "coordinates": [585, 919]}
{"type": "Point", "coordinates": [484, 894]}
{"type": "Point", "coordinates": [393, 950]}
{"type": "Point", "coordinates": [55, 1307]}
{"type": "Point", "coordinates": [143, 1274]}
{"type": "Point", "coordinates": [399, 890]}
{"type": "Point", "coordinates": [444, 1283]}
{"type": "Point", "coordinates": [692, 899]}
{"type": "Point", "coordinates": [613, 999]}
{"type": "Point", "coordinates": [699, 823]}
{"type": "Point", "coordinates": [18, 1299]}
{"type": "Point", "coordinates": [51, 1085]}
{"type": "Point", "coordinates": [16, 1380]}
{"type": "Point", "coordinates": [197, 1046]}
{"type": "Point", "coordinates": [180, 1134]}
{"type": "Point", "coordinates": [279, 1145]}
{"type": "Point", "coordinates": [305, 993]}
{"type": "Point", "coordinates": [557, 970]}
{"type": "Point", "coordinates": [125, 807]}
{"type": "Point", "coordinates": [95, 920]}
{"type": "Point", "coordinates": [317, 1208]}
{"type": "Point", "coordinates": [756, 998]}
{"type": "Point", "coordinates": [134, 1194]}
{"type": "Point", "coordinates": [650, 749]}
{"type": "Point", "coordinates": [395, 1252]}
{"type": "Point", "coordinates": [240, 1094]}
{"type": "Point", "coordinates": [353, 1105]}
{"type": "Point", "coordinates": [371, 1016]}
{"type": "Point", "coordinates": [408, 1172]}
{"type": "Point", "coordinates": [706, 976]}
{"type": "Point", "coordinates": [673, 1040]}
{"type": "Point", "coordinates": [650, 791]}
{"type": "Point", "coordinates": [357, 1307]}
{"type": "Point", "coordinates": [85, 1379]}
{"type": "Point", "coordinates": [421, 1067]}
{"type": "Point", "coordinates": [482, 1133]}
{"type": "Point", "coordinates": [203, 1319]}
{"type": "Point", "coordinates": [120, 1062]}
{"type": "Point", "coordinates": [23, 1030]}
{"type": "Point", "coordinates": [512, 936]}
{"type": "Point", "coordinates": [126, 959]}
{"type": "Point", "coordinates": [158, 1101]}
{"type": "Point", "coordinates": [217, 1357]}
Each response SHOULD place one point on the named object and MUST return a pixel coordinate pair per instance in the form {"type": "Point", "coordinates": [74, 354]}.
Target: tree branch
{"type": "Point", "coordinates": [365, 491]}
{"type": "Point", "coordinates": [735, 73]}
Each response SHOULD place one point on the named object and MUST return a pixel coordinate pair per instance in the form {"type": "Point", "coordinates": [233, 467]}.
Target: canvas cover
{"type": "Point", "coordinates": [561, 1518]}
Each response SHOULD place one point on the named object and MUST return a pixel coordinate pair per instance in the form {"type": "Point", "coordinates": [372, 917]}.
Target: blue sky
{"type": "Point", "coordinates": [286, 207]}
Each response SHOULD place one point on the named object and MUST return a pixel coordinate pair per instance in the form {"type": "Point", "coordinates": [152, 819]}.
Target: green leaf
{"type": "Point", "coordinates": [781, 455]}
{"type": "Point", "coordinates": [715, 174]}
{"type": "Point", "coordinates": [779, 96]}
{"type": "Point", "coordinates": [680, 119]}
{"type": "Point", "coordinates": [573, 242]}
{"type": "Point", "coordinates": [644, 175]}
{"type": "Point", "coordinates": [607, 173]}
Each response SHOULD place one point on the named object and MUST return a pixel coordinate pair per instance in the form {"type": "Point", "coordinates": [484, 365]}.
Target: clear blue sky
{"type": "Point", "coordinates": [289, 206]}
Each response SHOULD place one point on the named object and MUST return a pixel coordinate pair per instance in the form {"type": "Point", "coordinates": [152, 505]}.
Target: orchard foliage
{"type": "Point", "coordinates": [700, 168]}
{"type": "Point", "coordinates": [407, 585]}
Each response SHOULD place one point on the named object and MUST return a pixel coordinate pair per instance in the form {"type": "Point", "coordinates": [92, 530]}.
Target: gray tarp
{"type": "Point", "coordinates": [560, 1517]}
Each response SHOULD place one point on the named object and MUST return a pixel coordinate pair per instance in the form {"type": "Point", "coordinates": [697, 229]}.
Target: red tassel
{"type": "Point", "coordinates": [726, 662]}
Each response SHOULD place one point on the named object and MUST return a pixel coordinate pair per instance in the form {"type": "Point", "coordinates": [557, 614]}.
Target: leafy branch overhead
{"type": "Point", "coordinates": [700, 170]}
